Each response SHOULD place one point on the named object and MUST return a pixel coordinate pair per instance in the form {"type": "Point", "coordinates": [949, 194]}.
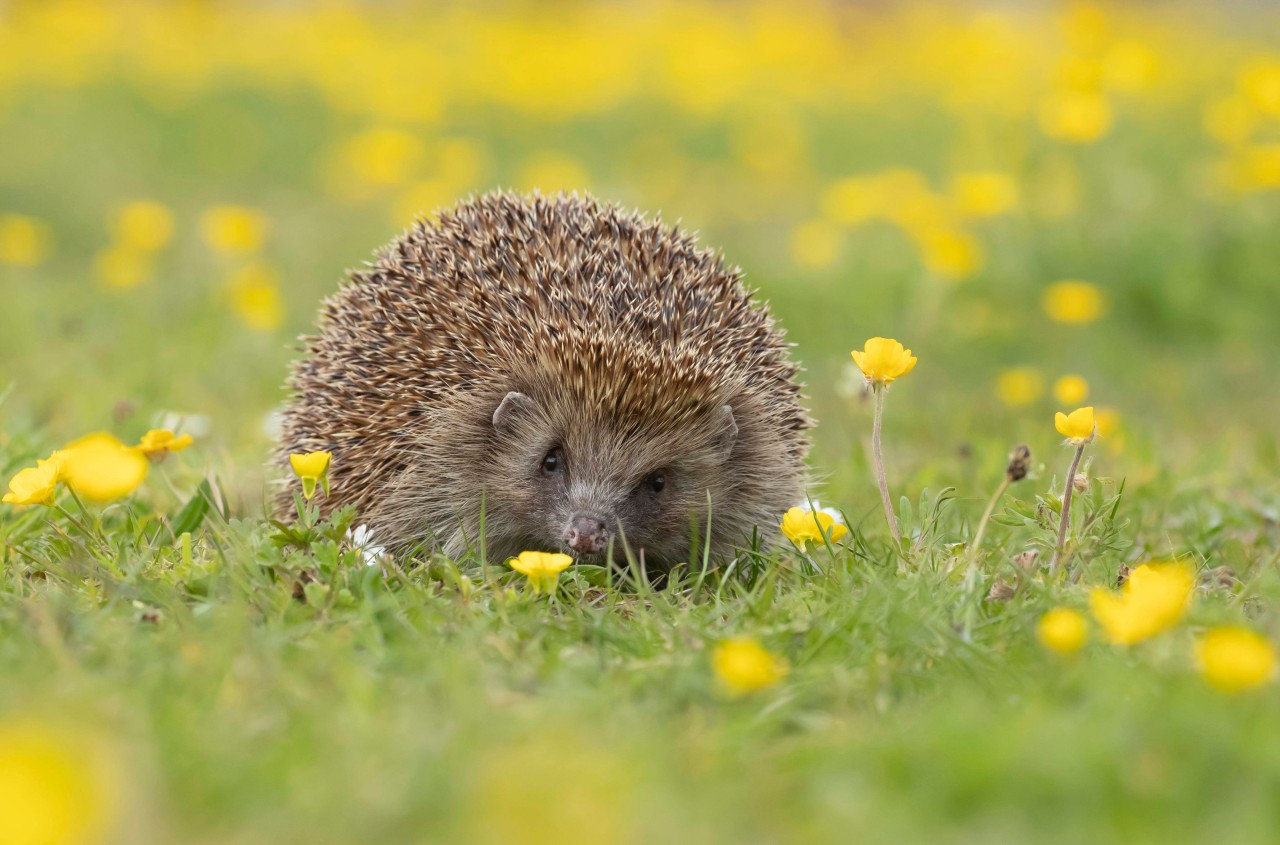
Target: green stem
{"type": "Point", "coordinates": [878, 458]}
{"type": "Point", "coordinates": [1066, 510]}
{"type": "Point", "coordinates": [986, 517]}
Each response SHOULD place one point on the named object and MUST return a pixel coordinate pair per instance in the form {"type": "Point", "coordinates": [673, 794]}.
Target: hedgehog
{"type": "Point", "coordinates": [557, 374]}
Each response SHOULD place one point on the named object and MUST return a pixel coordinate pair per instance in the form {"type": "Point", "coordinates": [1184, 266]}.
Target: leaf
{"type": "Point", "coordinates": [195, 510]}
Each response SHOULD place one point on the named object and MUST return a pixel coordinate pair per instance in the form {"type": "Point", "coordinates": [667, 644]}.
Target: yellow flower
{"type": "Point", "coordinates": [34, 485]}
{"type": "Point", "coordinates": [951, 253]}
{"type": "Point", "coordinates": [1152, 600]}
{"type": "Point", "coordinates": [1077, 117]}
{"type": "Point", "coordinates": [805, 526]}
{"type": "Point", "coordinates": [51, 793]}
{"type": "Point", "coordinates": [1071, 390]}
{"type": "Point", "coordinates": [311, 467]}
{"type": "Point", "coordinates": [883, 359]}
{"type": "Point", "coordinates": [233, 229]}
{"type": "Point", "coordinates": [24, 241]}
{"type": "Point", "coordinates": [1062, 630]}
{"type": "Point", "coordinates": [1078, 427]}
{"type": "Point", "coordinates": [982, 194]}
{"type": "Point", "coordinates": [255, 297]}
{"type": "Point", "coordinates": [816, 243]}
{"type": "Point", "coordinates": [143, 225]}
{"type": "Point", "coordinates": [158, 442]}
{"type": "Point", "coordinates": [101, 468]}
{"type": "Point", "coordinates": [541, 568]}
{"type": "Point", "coordinates": [553, 171]}
{"type": "Point", "coordinates": [1019, 386]}
{"type": "Point", "coordinates": [1073, 302]}
{"type": "Point", "coordinates": [744, 666]}
{"type": "Point", "coordinates": [122, 266]}
{"type": "Point", "coordinates": [1233, 659]}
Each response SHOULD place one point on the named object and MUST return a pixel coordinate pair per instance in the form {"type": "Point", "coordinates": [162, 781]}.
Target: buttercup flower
{"type": "Point", "coordinates": [312, 468]}
{"type": "Point", "coordinates": [1152, 600]}
{"type": "Point", "coordinates": [101, 468]}
{"type": "Point", "coordinates": [802, 526]}
{"type": "Point", "coordinates": [541, 568]}
{"type": "Point", "coordinates": [159, 442]}
{"type": "Point", "coordinates": [143, 225]}
{"type": "Point", "coordinates": [1071, 390]}
{"type": "Point", "coordinates": [883, 359]}
{"type": "Point", "coordinates": [34, 485]}
{"type": "Point", "coordinates": [234, 229]}
{"type": "Point", "coordinates": [1078, 427]}
{"type": "Point", "coordinates": [744, 666]}
{"type": "Point", "coordinates": [1073, 303]}
{"type": "Point", "coordinates": [1062, 630]}
{"type": "Point", "coordinates": [56, 789]}
{"type": "Point", "coordinates": [1233, 659]}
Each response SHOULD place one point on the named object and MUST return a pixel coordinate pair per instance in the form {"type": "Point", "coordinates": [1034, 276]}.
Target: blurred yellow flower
{"type": "Point", "coordinates": [1079, 426]}
{"type": "Point", "coordinates": [542, 569]}
{"type": "Point", "coordinates": [159, 442]}
{"type": "Point", "coordinates": [984, 194]}
{"type": "Point", "coordinates": [143, 225]}
{"type": "Point", "coordinates": [850, 201]}
{"type": "Point", "coordinates": [816, 243]}
{"type": "Point", "coordinates": [100, 467]}
{"type": "Point", "coordinates": [1254, 168]}
{"type": "Point", "coordinates": [1018, 386]}
{"type": "Point", "coordinates": [802, 526]}
{"type": "Point", "coordinates": [1074, 116]}
{"type": "Point", "coordinates": [255, 297]}
{"type": "Point", "coordinates": [1108, 421]}
{"type": "Point", "coordinates": [50, 794]}
{"type": "Point", "coordinates": [312, 468]}
{"type": "Point", "coordinates": [882, 360]}
{"type": "Point", "coordinates": [24, 241]}
{"type": "Point", "coordinates": [1073, 302]}
{"type": "Point", "coordinates": [1233, 659]}
{"type": "Point", "coordinates": [34, 485]}
{"type": "Point", "coordinates": [1071, 390]}
{"type": "Point", "coordinates": [1063, 630]}
{"type": "Point", "coordinates": [122, 266]}
{"type": "Point", "coordinates": [1152, 600]}
{"type": "Point", "coordinates": [743, 666]}
{"type": "Point", "coordinates": [949, 252]}
{"type": "Point", "coordinates": [382, 157]}
{"type": "Point", "coordinates": [552, 171]}
{"type": "Point", "coordinates": [1260, 83]}
{"type": "Point", "coordinates": [234, 229]}
{"type": "Point", "coordinates": [1230, 120]}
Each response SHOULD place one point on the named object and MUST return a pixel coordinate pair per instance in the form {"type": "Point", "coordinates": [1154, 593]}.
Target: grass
{"type": "Point", "coordinates": [242, 683]}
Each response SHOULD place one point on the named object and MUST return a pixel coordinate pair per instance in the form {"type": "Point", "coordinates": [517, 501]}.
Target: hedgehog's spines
{"type": "Point", "coordinates": [625, 313]}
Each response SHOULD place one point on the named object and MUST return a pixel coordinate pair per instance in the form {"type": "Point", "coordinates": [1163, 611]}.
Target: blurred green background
{"type": "Point", "coordinates": [181, 183]}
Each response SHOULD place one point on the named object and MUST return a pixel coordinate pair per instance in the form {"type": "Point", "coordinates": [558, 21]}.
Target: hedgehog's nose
{"type": "Point", "coordinates": [585, 534]}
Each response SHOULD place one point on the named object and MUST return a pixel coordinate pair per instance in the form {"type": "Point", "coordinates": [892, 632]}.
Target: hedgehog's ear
{"type": "Point", "coordinates": [726, 431]}
{"type": "Point", "coordinates": [512, 406]}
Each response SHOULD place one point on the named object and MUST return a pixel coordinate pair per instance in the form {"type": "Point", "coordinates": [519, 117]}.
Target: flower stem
{"type": "Point", "coordinates": [1066, 510]}
{"type": "Point", "coordinates": [879, 462]}
{"type": "Point", "coordinates": [976, 545]}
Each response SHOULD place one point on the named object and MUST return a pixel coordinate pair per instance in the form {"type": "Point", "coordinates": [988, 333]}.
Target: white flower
{"type": "Point", "coordinates": [361, 539]}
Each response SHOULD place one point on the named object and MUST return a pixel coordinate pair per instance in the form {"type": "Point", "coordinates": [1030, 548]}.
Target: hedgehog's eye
{"type": "Point", "coordinates": [553, 462]}
{"type": "Point", "coordinates": [655, 482]}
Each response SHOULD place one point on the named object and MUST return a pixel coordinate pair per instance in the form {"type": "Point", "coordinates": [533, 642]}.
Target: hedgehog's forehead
{"type": "Point", "coordinates": [625, 388]}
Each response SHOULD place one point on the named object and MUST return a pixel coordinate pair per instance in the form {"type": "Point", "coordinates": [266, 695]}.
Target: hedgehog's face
{"type": "Point", "coordinates": [604, 490]}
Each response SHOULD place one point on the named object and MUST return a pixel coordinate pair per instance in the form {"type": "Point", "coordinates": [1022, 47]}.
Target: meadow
{"type": "Point", "coordinates": [1054, 206]}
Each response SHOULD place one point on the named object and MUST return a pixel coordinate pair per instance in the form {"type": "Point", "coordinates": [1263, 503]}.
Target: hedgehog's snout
{"type": "Point", "coordinates": [586, 534]}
